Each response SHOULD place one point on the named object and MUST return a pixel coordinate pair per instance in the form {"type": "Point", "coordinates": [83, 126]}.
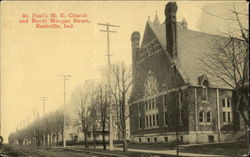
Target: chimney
{"type": "Point", "coordinates": [170, 14]}
{"type": "Point", "coordinates": [135, 41]}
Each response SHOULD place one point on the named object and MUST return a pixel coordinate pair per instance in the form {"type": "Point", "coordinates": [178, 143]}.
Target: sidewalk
{"type": "Point", "coordinates": [164, 152]}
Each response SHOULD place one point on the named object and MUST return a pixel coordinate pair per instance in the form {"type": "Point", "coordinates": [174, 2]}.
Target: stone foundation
{"type": "Point", "coordinates": [191, 137]}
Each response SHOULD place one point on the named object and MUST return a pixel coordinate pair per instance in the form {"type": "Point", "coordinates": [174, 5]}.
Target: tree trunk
{"type": "Point", "coordinates": [177, 141]}
{"type": "Point", "coordinates": [57, 139]}
{"type": "Point", "coordinates": [103, 136]}
{"type": "Point", "coordinates": [248, 141]}
{"type": "Point", "coordinates": [94, 136]}
{"type": "Point", "coordinates": [125, 145]}
{"type": "Point", "coordinates": [86, 139]}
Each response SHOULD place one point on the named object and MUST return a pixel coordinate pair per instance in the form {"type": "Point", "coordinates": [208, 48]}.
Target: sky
{"type": "Point", "coordinates": [32, 58]}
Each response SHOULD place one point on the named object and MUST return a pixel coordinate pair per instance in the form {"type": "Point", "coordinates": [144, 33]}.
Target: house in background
{"type": "Point", "coordinates": [170, 91]}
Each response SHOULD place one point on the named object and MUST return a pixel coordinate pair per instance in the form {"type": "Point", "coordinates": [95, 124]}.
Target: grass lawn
{"type": "Point", "coordinates": [235, 149]}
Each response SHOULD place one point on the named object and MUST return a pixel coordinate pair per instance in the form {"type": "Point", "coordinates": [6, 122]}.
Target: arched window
{"type": "Point", "coordinates": [204, 92]}
{"type": "Point", "coordinates": [226, 110]}
{"type": "Point", "coordinates": [209, 117]}
{"type": "Point", "coordinates": [201, 116]}
{"type": "Point", "coordinates": [140, 121]}
{"type": "Point", "coordinates": [150, 85]}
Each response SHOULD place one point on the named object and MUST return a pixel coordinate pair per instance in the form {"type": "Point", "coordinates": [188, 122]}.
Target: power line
{"type": "Point", "coordinates": [64, 78]}
{"type": "Point", "coordinates": [107, 25]}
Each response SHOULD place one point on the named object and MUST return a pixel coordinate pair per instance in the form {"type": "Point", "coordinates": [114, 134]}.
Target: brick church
{"type": "Point", "coordinates": [170, 93]}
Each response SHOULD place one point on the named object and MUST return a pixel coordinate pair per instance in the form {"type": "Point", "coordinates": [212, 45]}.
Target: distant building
{"type": "Point", "coordinates": [170, 94]}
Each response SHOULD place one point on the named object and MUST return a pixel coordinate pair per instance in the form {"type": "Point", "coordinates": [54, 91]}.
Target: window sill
{"type": "Point", "coordinates": [227, 123]}
{"type": "Point", "coordinates": [155, 127]}
{"type": "Point", "coordinates": [205, 101]}
{"type": "Point", "coordinates": [209, 123]}
{"type": "Point", "coordinates": [202, 123]}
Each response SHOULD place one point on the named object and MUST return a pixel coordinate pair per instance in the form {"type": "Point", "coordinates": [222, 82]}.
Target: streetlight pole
{"type": "Point", "coordinates": [109, 65]}
{"type": "Point", "coordinates": [65, 78]}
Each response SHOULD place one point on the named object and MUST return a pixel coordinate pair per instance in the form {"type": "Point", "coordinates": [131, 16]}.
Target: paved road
{"type": "Point", "coordinates": [21, 151]}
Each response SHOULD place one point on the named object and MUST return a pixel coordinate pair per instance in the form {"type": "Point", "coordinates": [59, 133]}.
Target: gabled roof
{"type": "Point", "coordinates": [191, 47]}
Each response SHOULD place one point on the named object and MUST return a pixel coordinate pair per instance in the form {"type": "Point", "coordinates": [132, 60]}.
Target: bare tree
{"type": "Point", "coordinates": [80, 98]}
{"type": "Point", "coordinates": [102, 96]}
{"type": "Point", "coordinates": [121, 77]}
{"type": "Point", "coordinates": [94, 108]}
{"type": "Point", "coordinates": [229, 63]}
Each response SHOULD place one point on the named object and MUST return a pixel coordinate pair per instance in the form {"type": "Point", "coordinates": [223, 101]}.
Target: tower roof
{"type": "Point", "coordinates": [156, 21]}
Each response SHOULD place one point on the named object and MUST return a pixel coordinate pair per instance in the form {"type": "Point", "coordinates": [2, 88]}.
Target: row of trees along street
{"type": "Point", "coordinates": [50, 125]}
{"type": "Point", "coordinates": [93, 109]}
{"type": "Point", "coordinates": [90, 105]}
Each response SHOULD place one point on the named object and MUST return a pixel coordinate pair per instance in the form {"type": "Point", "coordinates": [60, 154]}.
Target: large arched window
{"type": "Point", "coordinates": [150, 85]}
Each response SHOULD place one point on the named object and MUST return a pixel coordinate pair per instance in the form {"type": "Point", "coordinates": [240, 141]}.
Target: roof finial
{"type": "Point", "coordinates": [156, 21]}
{"type": "Point", "coordinates": [148, 18]}
{"type": "Point", "coordinates": [184, 23]}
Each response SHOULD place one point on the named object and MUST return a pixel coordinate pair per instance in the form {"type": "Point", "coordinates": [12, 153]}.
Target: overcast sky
{"type": "Point", "coordinates": [32, 59]}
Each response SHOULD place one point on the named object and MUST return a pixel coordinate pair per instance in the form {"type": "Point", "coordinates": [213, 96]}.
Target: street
{"type": "Point", "coordinates": [21, 151]}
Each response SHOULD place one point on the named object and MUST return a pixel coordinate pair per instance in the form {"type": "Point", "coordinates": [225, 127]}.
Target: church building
{"type": "Point", "coordinates": [170, 93]}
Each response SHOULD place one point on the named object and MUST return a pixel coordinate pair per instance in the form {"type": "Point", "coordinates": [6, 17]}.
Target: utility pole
{"type": "Point", "coordinates": [65, 78]}
{"type": "Point", "coordinates": [107, 25]}
{"type": "Point", "coordinates": [28, 121]}
{"type": "Point", "coordinates": [34, 114]}
{"type": "Point", "coordinates": [44, 99]}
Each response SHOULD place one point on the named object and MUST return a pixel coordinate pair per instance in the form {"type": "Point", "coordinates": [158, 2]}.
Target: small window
{"type": "Point", "coordinates": [209, 117]}
{"type": "Point", "coordinates": [149, 105]}
{"type": "Point", "coordinates": [155, 139]}
{"type": "Point", "coordinates": [148, 140]}
{"type": "Point", "coordinates": [201, 116]}
{"type": "Point", "coordinates": [229, 117]}
{"type": "Point", "coordinates": [140, 121]}
{"type": "Point", "coordinates": [157, 119]}
{"type": "Point", "coordinates": [139, 140]}
{"type": "Point", "coordinates": [89, 134]}
{"type": "Point", "coordinates": [204, 93]}
{"type": "Point", "coordinates": [228, 102]}
{"type": "Point", "coordinates": [150, 120]}
{"type": "Point", "coordinates": [224, 117]}
{"type": "Point", "coordinates": [224, 102]}
{"type": "Point", "coordinates": [210, 139]}
{"type": "Point", "coordinates": [166, 118]}
{"type": "Point", "coordinates": [146, 105]}
{"type": "Point", "coordinates": [75, 138]}
{"type": "Point", "coordinates": [166, 139]}
{"type": "Point", "coordinates": [154, 120]}
{"type": "Point", "coordinates": [181, 138]}
{"type": "Point", "coordinates": [155, 102]}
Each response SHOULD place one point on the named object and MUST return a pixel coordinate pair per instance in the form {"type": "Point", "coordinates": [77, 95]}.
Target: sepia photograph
{"type": "Point", "coordinates": [109, 78]}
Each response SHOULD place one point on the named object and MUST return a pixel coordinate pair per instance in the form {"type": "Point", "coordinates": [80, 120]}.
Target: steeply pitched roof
{"type": "Point", "coordinates": [191, 47]}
